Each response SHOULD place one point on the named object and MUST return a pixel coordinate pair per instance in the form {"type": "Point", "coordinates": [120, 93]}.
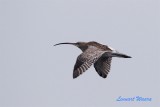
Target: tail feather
{"type": "Point", "coordinates": [120, 55]}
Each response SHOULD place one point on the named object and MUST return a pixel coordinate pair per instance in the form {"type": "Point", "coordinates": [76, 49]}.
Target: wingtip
{"type": "Point", "coordinates": [74, 76]}
{"type": "Point", "coordinates": [104, 76]}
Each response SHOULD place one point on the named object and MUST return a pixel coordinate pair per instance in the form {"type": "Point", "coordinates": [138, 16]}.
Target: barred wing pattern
{"type": "Point", "coordinates": [85, 60]}
{"type": "Point", "coordinates": [81, 67]}
{"type": "Point", "coordinates": [103, 66]}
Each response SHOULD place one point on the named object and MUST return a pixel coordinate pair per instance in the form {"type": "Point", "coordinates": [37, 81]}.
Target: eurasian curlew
{"type": "Point", "coordinates": [94, 53]}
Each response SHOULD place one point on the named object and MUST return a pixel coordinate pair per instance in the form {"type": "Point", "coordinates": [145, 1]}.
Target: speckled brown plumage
{"type": "Point", "coordinates": [97, 54]}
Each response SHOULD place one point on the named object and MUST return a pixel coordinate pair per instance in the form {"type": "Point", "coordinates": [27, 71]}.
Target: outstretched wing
{"type": "Point", "coordinates": [103, 66]}
{"type": "Point", "coordinates": [81, 67]}
{"type": "Point", "coordinates": [85, 60]}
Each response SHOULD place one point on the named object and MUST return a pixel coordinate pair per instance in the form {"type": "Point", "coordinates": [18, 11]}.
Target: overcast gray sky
{"type": "Point", "coordinates": [34, 73]}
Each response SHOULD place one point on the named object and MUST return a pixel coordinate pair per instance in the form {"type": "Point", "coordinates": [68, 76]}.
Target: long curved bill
{"type": "Point", "coordinates": [65, 43]}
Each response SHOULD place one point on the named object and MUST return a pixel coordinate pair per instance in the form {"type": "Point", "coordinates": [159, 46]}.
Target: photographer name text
{"type": "Point", "coordinates": [136, 98]}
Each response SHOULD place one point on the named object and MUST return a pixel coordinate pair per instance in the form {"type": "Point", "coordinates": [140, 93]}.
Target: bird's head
{"type": "Point", "coordinates": [82, 45]}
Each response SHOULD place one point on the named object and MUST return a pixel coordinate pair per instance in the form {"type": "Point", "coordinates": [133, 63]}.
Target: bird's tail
{"type": "Point", "coordinates": [120, 55]}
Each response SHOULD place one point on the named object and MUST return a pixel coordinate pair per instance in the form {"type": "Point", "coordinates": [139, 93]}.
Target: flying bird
{"type": "Point", "coordinates": [96, 54]}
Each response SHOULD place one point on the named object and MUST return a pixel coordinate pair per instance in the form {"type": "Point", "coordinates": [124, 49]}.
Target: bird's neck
{"type": "Point", "coordinates": [83, 48]}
